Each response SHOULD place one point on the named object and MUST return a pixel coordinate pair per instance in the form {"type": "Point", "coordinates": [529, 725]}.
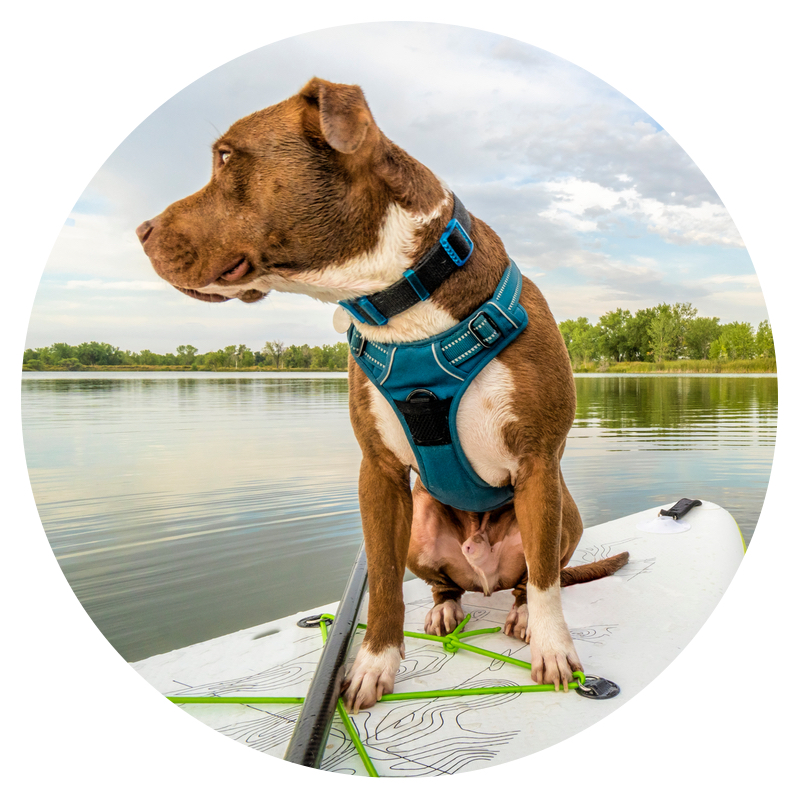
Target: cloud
{"type": "Point", "coordinates": [99, 246]}
{"type": "Point", "coordinates": [583, 205]}
{"type": "Point", "coordinates": [118, 286]}
{"type": "Point", "coordinates": [590, 196]}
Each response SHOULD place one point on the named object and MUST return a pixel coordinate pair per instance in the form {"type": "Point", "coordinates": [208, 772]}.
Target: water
{"type": "Point", "coordinates": [186, 506]}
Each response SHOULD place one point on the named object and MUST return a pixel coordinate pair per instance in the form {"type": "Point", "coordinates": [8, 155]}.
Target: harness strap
{"type": "Point", "coordinates": [461, 343]}
{"type": "Point", "coordinates": [425, 380]}
{"type": "Point", "coordinates": [418, 283]}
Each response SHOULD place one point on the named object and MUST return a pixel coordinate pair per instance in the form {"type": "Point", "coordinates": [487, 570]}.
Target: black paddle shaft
{"type": "Point", "coordinates": [307, 745]}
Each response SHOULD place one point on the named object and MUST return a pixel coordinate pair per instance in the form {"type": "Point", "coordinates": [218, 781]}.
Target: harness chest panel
{"type": "Point", "coordinates": [424, 382]}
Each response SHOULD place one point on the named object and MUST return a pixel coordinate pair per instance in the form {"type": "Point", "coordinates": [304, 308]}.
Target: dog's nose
{"type": "Point", "coordinates": [144, 230]}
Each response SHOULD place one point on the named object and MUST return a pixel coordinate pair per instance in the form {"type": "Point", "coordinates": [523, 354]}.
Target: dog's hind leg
{"type": "Point", "coordinates": [537, 502]}
{"type": "Point", "coordinates": [571, 523]}
{"type": "Point", "coordinates": [517, 619]}
{"type": "Point", "coordinates": [385, 499]}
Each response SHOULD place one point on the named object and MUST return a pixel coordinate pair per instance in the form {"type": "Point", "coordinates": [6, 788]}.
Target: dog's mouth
{"type": "Point", "coordinates": [208, 298]}
{"type": "Point", "coordinates": [239, 270]}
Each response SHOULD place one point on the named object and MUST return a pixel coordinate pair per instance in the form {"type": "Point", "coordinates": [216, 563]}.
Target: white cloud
{"type": "Point", "coordinates": [99, 246]}
{"type": "Point", "coordinates": [580, 204]}
{"type": "Point", "coordinates": [118, 286]}
{"type": "Point", "coordinates": [561, 165]}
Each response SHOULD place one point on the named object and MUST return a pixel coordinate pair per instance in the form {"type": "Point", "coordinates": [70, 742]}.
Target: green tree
{"type": "Point", "coordinates": [640, 347]}
{"type": "Point", "coordinates": [61, 350]}
{"type": "Point", "coordinates": [582, 340]}
{"type": "Point", "coordinates": [229, 356]}
{"type": "Point", "coordinates": [667, 330]}
{"type": "Point", "coordinates": [244, 357]}
{"type": "Point", "coordinates": [186, 354]}
{"type": "Point", "coordinates": [700, 333]}
{"type": "Point", "coordinates": [95, 353]}
{"type": "Point", "coordinates": [329, 356]}
{"type": "Point", "coordinates": [664, 332]}
{"type": "Point", "coordinates": [149, 358]}
{"type": "Point", "coordinates": [214, 360]}
{"type": "Point", "coordinates": [736, 341]}
{"type": "Point", "coordinates": [341, 353]}
{"type": "Point", "coordinates": [274, 349]}
{"type": "Point", "coordinates": [765, 344]}
{"type": "Point", "coordinates": [613, 334]}
{"type": "Point", "coordinates": [297, 357]}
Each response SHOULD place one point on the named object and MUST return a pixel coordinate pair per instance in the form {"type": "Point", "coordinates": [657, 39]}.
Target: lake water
{"type": "Point", "coordinates": [185, 506]}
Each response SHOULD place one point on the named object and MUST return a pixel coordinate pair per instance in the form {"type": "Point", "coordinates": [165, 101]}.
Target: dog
{"type": "Point", "coordinates": [310, 196]}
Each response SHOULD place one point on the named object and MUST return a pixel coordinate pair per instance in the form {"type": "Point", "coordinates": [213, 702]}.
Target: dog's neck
{"type": "Point", "coordinates": [404, 238]}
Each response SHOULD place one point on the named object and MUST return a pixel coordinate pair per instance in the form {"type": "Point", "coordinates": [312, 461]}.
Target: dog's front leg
{"type": "Point", "coordinates": [385, 499]}
{"type": "Point", "coordinates": [537, 502]}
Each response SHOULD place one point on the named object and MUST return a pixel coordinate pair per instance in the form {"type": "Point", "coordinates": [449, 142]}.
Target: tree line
{"type": "Point", "coordinates": [662, 333]}
{"type": "Point", "coordinates": [273, 355]}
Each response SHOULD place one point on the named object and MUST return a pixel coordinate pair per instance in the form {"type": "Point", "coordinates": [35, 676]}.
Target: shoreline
{"type": "Point", "coordinates": [713, 368]}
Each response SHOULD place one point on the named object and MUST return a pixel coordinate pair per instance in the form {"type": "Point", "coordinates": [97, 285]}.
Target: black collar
{"type": "Point", "coordinates": [428, 274]}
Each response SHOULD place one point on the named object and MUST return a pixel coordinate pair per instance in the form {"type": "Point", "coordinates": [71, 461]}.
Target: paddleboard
{"type": "Point", "coordinates": [627, 629]}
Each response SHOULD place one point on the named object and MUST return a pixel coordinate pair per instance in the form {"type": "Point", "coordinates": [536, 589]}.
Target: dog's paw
{"type": "Point", "coordinates": [517, 623]}
{"type": "Point", "coordinates": [553, 655]}
{"type": "Point", "coordinates": [444, 618]}
{"type": "Point", "coordinates": [370, 677]}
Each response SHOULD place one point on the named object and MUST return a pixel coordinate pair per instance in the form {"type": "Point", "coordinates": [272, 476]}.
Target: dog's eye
{"type": "Point", "coordinates": [223, 156]}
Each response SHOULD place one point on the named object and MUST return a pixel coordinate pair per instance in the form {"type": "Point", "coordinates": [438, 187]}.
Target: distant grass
{"type": "Point", "coordinates": [741, 366]}
{"type": "Point", "coordinates": [172, 368]}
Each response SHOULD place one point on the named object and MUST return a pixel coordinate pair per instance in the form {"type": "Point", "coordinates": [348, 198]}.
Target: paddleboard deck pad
{"type": "Point", "coordinates": [627, 628]}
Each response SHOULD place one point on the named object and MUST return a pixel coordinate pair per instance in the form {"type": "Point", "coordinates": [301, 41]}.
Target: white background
{"type": "Point", "coordinates": [78, 77]}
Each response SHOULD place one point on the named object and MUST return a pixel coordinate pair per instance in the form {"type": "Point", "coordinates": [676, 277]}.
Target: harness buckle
{"type": "Point", "coordinates": [416, 284]}
{"type": "Point", "coordinates": [461, 240]}
{"type": "Point", "coordinates": [493, 333]}
{"type": "Point", "coordinates": [350, 307]}
{"type": "Point", "coordinates": [364, 311]}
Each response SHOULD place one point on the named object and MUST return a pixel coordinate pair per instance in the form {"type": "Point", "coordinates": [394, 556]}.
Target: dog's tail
{"type": "Point", "coordinates": [591, 572]}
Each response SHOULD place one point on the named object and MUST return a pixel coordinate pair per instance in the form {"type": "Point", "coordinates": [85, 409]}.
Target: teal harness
{"type": "Point", "coordinates": [424, 382]}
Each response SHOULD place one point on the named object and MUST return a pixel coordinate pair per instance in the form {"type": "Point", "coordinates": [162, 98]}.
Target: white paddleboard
{"type": "Point", "coordinates": [627, 628]}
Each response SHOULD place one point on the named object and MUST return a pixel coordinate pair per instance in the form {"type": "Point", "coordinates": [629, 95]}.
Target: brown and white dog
{"type": "Point", "coordinates": [310, 196]}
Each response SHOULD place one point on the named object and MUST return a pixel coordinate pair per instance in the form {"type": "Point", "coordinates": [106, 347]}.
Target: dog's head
{"type": "Point", "coordinates": [296, 187]}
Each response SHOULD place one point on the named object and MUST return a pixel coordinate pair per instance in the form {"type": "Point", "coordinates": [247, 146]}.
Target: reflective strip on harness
{"type": "Point", "coordinates": [424, 382]}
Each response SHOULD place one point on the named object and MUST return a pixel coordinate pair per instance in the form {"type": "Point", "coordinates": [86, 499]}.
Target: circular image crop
{"type": "Point", "coordinates": [426, 288]}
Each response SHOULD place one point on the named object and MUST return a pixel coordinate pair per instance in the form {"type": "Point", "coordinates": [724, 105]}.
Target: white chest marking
{"type": "Point", "coordinates": [482, 415]}
{"type": "Point", "coordinates": [363, 274]}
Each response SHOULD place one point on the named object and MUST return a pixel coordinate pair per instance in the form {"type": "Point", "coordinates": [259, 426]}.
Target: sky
{"type": "Point", "coordinates": [593, 199]}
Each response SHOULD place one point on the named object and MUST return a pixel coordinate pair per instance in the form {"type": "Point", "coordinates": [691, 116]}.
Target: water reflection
{"type": "Point", "coordinates": [183, 507]}
{"type": "Point", "coordinates": [639, 441]}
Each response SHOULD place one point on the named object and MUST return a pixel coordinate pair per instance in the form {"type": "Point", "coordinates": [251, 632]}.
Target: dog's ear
{"type": "Point", "coordinates": [344, 116]}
